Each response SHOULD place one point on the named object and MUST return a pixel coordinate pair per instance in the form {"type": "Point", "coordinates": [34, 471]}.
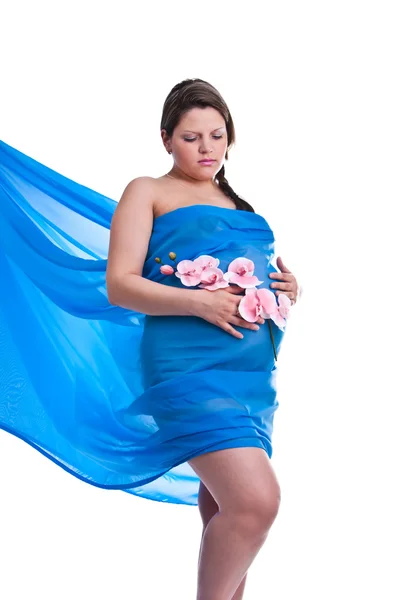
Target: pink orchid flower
{"type": "Point", "coordinates": [167, 270]}
{"type": "Point", "coordinates": [240, 272]}
{"type": "Point", "coordinates": [206, 262]}
{"type": "Point", "coordinates": [284, 303]}
{"type": "Point", "coordinates": [213, 279]}
{"type": "Point", "coordinates": [189, 272]}
{"type": "Point", "coordinates": [262, 303]}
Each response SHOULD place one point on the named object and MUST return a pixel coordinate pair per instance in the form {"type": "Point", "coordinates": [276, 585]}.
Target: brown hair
{"type": "Point", "coordinates": [192, 93]}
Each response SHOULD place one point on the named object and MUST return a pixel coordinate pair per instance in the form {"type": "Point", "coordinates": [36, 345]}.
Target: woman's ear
{"type": "Point", "coordinates": [166, 141]}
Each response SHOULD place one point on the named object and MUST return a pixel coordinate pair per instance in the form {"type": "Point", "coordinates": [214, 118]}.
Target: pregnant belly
{"type": "Point", "coordinates": [172, 346]}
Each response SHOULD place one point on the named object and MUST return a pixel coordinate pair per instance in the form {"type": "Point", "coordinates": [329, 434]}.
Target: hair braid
{"type": "Point", "coordinates": [241, 204]}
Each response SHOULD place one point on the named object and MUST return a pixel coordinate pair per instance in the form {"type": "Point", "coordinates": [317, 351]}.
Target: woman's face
{"type": "Point", "coordinates": [200, 134]}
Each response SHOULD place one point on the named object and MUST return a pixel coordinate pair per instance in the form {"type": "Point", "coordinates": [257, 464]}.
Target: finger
{"type": "Point", "coordinates": [229, 329]}
{"type": "Point", "coordinates": [239, 322]}
{"type": "Point", "coordinates": [233, 289]}
{"type": "Point", "coordinates": [281, 265]}
{"type": "Point", "coordinates": [260, 320]}
{"type": "Point", "coordinates": [288, 294]}
{"type": "Point", "coordinates": [280, 285]}
{"type": "Point", "coordinates": [281, 276]}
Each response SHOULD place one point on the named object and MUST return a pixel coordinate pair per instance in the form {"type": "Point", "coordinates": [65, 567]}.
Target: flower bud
{"type": "Point", "coordinates": [172, 255]}
{"type": "Point", "coordinates": [158, 260]}
{"type": "Point", "coordinates": [167, 270]}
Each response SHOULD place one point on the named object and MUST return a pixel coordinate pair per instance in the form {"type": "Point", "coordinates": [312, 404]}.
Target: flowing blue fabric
{"type": "Point", "coordinates": [119, 399]}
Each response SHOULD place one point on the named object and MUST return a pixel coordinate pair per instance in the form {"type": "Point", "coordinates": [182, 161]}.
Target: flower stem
{"type": "Point", "coordinates": [272, 338]}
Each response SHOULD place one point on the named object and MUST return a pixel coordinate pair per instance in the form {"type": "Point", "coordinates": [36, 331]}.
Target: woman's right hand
{"type": "Point", "coordinates": [220, 307]}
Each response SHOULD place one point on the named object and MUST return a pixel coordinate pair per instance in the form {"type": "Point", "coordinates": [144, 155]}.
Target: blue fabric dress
{"type": "Point", "coordinates": [119, 399]}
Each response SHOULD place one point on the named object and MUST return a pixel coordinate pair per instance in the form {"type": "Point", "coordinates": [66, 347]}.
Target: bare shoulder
{"type": "Point", "coordinates": [144, 193]}
{"type": "Point", "coordinates": [139, 191]}
{"type": "Point", "coordinates": [134, 210]}
{"type": "Point", "coordinates": [131, 228]}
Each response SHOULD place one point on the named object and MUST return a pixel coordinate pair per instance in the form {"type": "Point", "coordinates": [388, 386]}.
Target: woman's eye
{"type": "Point", "coordinates": [216, 137]}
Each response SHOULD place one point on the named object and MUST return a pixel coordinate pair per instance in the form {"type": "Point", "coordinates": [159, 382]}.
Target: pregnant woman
{"type": "Point", "coordinates": [139, 340]}
{"type": "Point", "coordinates": [196, 259]}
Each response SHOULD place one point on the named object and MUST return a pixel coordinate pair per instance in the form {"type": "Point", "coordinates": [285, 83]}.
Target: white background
{"type": "Point", "coordinates": [314, 92]}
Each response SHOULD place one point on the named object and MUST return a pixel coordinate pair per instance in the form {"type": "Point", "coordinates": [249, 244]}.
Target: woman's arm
{"type": "Point", "coordinates": [130, 232]}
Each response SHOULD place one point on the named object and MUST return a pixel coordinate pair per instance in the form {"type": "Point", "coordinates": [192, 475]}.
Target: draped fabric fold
{"type": "Point", "coordinates": [118, 399]}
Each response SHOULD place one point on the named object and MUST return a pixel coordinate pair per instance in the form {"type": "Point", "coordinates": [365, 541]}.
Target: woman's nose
{"type": "Point", "coordinates": [205, 149]}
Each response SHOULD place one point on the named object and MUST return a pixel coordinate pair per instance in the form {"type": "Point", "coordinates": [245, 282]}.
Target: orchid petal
{"type": "Point", "coordinates": [185, 265]}
{"type": "Point", "coordinates": [242, 265]}
{"type": "Point", "coordinates": [284, 305]}
{"type": "Point", "coordinates": [244, 281]}
{"type": "Point", "coordinates": [248, 306]}
{"type": "Point", "coordinates": [268, 302]}
{"type": "Point", "coordinates": [214, 286]}
{"type": "Point", "coordinates": [278, 320]}
{"type": "Point", "coordinates": [205, 261]}
{"type": "Point", "coordinates": [190, 280]}
{"type": "Point", "coordinates": [210, 275]}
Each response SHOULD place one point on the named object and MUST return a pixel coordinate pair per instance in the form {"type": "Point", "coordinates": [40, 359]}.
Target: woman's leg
{"type": "Point", "coordinates": [244, 486]}
{"type": "Point", "coordinates": [208, 508]}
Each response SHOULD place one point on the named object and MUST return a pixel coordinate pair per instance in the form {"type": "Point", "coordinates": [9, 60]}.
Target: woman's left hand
{"type": "Point", "coordinates": [286, 284]}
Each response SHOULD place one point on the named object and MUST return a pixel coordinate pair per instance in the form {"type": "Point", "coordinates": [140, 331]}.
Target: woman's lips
{"type": "Point", "coordinates": [206, 162]}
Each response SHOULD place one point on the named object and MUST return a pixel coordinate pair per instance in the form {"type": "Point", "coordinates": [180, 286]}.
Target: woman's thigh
{"type": "Point", "coordinates": [239, 479]}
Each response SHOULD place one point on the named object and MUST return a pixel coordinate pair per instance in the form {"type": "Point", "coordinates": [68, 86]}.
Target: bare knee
{"type": "Point", "coordinates": [266, 507]}
{"type": "Point", "coordinates": [243, 484]}
{"type": "Point", "coordinates": [258, 511]}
